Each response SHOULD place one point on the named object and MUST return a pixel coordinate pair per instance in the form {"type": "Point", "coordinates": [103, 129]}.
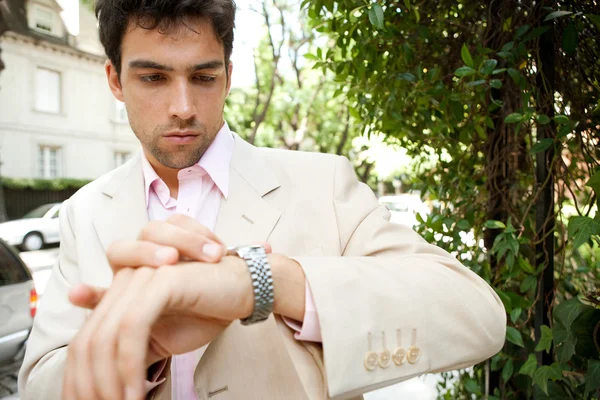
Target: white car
{"type": "Point", "coordinates": [404, 208]}
{"type": "Point", "coordinates": [37, 228]}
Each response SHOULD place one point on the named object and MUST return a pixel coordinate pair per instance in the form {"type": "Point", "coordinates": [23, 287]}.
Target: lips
{"type": "Point", "coordinates": [181, 137]}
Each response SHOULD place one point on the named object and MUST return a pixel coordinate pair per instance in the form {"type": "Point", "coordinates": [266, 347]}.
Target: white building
{"type": "Point", "coordinates": [58, 118]}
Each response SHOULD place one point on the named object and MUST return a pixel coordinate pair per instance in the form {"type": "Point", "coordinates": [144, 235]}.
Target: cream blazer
{"type": "Point", "coordinates": [369, 277]}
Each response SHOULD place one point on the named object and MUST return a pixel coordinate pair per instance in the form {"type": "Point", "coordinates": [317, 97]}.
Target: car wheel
{"type": "Point", "coordinates": [33, 241]}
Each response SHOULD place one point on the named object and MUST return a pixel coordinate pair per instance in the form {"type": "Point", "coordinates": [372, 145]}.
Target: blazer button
{"type": "Point", "coordinates": [399, 356]}
{"type": "Point", "coordinates": [413, 354]}
{"type": "Point", "coordinates": [385, 358]}
{"type": "Point", "coordinates": [371, 360]}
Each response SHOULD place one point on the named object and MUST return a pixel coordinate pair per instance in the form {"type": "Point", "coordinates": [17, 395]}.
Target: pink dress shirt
{"type": "Point", "coordinates": [201, 188]}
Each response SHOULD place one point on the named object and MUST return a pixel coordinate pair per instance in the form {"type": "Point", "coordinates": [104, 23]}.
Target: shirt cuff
{"type": "Point", "coordinates": [310, 329]}
{"type": "Point", "coordinates": [154, 375]}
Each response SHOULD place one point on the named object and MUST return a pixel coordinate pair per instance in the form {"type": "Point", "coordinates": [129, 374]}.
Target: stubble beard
{"type": "Point", "coordinates": [185, 155]}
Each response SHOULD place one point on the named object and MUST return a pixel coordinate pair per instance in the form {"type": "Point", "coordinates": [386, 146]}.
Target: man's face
{"type": "Point", "coordinates": [174, 86]}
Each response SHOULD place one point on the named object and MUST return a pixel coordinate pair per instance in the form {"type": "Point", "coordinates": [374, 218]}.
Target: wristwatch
{"type": "Point", "coordinates": [262, 281]}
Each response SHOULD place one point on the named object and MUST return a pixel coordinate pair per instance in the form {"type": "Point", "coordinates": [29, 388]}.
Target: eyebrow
{"type": "Point", "coordinates": [147, 64]}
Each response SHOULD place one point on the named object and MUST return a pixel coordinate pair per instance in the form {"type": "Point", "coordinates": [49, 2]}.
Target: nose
{"type": "Point", "coordinates": [182, 101]}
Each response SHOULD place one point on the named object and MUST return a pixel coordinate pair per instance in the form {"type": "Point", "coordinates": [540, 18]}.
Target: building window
{"type": "Point", "coordinates": [43, 19]}
{"type": "Point", "coordinates": [49, 161]}
{"type": "Point", "coordinates": [120, 112]}
{"type": "Point", "coordinates": [47, 90]}
{"type": "Point", "coordinates": [121, 157]}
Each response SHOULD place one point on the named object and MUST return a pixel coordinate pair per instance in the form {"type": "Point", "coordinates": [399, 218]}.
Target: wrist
{"type": "Point", "coordinates": [289, 283]}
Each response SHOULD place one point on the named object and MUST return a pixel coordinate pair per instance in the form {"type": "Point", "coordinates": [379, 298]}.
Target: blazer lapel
{"type": "Point", "coordinates": [125, 213]}
{"type": "Point", "coordinates": [245, 217]}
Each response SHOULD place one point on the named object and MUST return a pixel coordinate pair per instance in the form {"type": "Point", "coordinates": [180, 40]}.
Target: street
{"type": "Point", "coordinates": [41, 262]}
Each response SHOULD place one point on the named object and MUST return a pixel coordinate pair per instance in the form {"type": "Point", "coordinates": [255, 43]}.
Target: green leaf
{"type": "Point", "coordinates": [496, 83]}
{"type": "Point", "coordinates": [466, 56]}
{"type": "Point", "coordinates": [407, 4]}
{"type": "Point", "coordinates": [463, 225]}
{"type": "Point", "coordinates": [562, 119]}
{"type": "Point", "coordinates": [529, 367]}
{"type": "Point", "coordinates": [498, 71]}
{"type": "Point", "coordinates": [528, 283]}
{"type": "Point", "coordinates": [534, 34]}
{"type": "Point", "coordinates": [514, 74]}
{"type": "Point", "coordinates": [592, 377]}
{"type": "Point", "coordinates": [542, 145]}
{"type": "Point", "coordinates": [489, 66]}
{"type": "Point", "coordinates": [492, 224]}
{"type": "Point", "coordinates": [594, 183]}
{"type": "Point", "coordinates": [407, 76]}
{"type": "Point", "coordinates": [557, 14]}
{"type": "Point", "coordinates": [514, 336]}
{"type": "Point", "coordinates": [506, 301]}
{"type": "Point", "coordinates": [516, 314]}
{"type": "Point", "coordinates": [566, 349]}
{"type": "Point", "coordinates": [542, 119]}
{"type": "Point", "coordinates": [508, 370]}
{"type": "Point", "coordinates": [476, 83]}
{"type": "Point", "coordinates": [376, 16]}
{"type": "Point", "coordinates": [595, 20]}
{"type": "Point", "coordinates": [472, 386]}
{"type": "Point", "coordinates": [570, 39]}
{"type": "Point", "coordinates": [525, 265]}
{"type": "Point", "coordinates": [542, 375]}
{"type": "Point", "coordinates": [581, 229]}
{"type": "Point", "coordinates": [567, 311]}
{"type": "Point", "coordinates": [522, 30]}
{"type": "Point", "coordinates": [464, 71]}
{"type": "Point", "coordinates": [546, 340]}
{"type": "Point", "coordinates": [508, 46]}
{"type": "Point", "coordinates": [513, 118]}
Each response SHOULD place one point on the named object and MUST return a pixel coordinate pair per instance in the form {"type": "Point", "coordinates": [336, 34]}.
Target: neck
{"type": "Point", "coordinates": [168, 175]}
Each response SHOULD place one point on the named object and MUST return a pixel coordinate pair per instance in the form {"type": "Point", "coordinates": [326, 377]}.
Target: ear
{"type": "Point", "coordinates": [229, 71]}
{"type": "Point", "coordinates": [113, 80]}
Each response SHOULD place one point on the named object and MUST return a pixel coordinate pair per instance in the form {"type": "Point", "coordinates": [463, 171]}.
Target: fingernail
{"type": "Point", "coordinates": [212, 250]}
{"type": "Point", "coordinates": [165, 255]}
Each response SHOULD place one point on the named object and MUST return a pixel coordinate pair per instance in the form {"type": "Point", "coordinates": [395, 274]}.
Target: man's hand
{"type": "Point", "coordinates": [165, 307]}
{"type": "Point", "coordinates": [149, 314]}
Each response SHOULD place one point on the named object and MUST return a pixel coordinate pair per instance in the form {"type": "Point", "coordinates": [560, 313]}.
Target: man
{"type": "Point", "coordinates": [339, 302]}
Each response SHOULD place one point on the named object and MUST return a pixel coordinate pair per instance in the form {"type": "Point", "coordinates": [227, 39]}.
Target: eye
{"type": "Point", "coordinates": [205, 78]}
{"type": "Point", "coordinates": [150, 78]}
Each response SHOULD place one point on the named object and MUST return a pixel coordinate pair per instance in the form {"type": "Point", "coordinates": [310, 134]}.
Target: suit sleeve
{"type": "Point", "coordinates": [391, 282]}
{"type": "Point", "coordinates": [56, 322]}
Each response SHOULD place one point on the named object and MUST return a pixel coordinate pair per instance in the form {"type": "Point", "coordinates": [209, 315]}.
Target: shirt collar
{"type": "Point", "coordinates": [215, 161]}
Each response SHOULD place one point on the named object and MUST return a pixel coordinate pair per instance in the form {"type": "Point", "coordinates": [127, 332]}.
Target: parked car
{"type": "Point", "coordinates": [404, 208]}
{"type": "Point", "coordinates": [37, 228]}
{"type": "Point", "coordinates": [18, 305]}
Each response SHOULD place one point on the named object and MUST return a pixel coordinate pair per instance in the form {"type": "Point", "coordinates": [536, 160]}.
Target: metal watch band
{"type": "Point", "coordinates": [262, 281]}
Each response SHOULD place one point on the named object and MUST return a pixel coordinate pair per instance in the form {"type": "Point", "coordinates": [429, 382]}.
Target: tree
{"type": "Point", "coordinates": [497, 90]}
{"type": "Point", "coordinates": [291, 105]}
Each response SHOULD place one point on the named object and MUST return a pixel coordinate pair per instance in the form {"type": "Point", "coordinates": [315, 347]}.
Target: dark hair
{"type": "Point", "coordinates": [114, 17]}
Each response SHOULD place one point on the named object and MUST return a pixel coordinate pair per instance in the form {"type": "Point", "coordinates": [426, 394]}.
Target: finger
{"type": "Point", "coordinates": [105, 352]}
{"type": "Point", "coordinates": [134, 253]}
{"type": "Point", "coordinates": [86, 296]}
{"type": "Point", "coordinates": [135, 328]}
{"type": "Point", "coordinates": [193, 245]}
{"type": "Point", "coordinates": [266, 246]}
{"type": "Point", "coordinates": [190, 224]}
{"type": "Point", "coordinates": [94, 349]}
{"type": "Point", "coordinates": [68, 389]}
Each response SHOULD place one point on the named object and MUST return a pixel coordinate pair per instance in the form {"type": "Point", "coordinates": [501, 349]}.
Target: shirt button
{"type": "Point", "coordinates": [399, 355]}
{"type": "Point", "coordinates": [371, 360]}
{"type": "Point", "coordinates": [385, 359]}
{"type": "Point", "coordinates": [413, 354]}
